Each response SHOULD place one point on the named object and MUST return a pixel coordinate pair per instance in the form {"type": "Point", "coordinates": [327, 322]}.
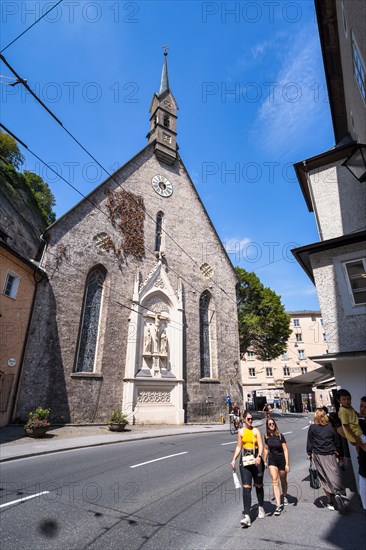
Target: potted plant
{"type": "Point", "coordinates": [38, 424]}
{"type": "Point", "coordinates": [118, 421]}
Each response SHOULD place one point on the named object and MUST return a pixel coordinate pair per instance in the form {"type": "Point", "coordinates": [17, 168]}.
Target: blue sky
{"type": "Point", "coordinates": [249, 81]}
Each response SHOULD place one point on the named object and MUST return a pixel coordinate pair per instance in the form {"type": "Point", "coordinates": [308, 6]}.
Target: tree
{"type": "Point", "coordinates": [264, 325]}
{"type": "Point", "coordinates": [43, 195]}
{"type": "Point", "coordinates": [10, 161]}
{"type": "Point", "coordinates": [9, 151]}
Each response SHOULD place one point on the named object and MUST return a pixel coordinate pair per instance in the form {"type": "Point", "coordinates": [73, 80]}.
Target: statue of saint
{"type": "Point", "coordinates": [163, 342]}
{"type": "Point", "coordinates": [147, 341]}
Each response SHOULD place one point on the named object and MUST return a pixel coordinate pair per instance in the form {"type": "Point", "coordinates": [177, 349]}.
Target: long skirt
{"type": "Point", "coordinates": [329, 473]}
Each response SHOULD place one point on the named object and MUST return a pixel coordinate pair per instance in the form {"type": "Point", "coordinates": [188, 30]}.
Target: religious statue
{"type": "Point", "coordinates": [147, 341]}
{"type": "Point", "coordinates": [163, 342]}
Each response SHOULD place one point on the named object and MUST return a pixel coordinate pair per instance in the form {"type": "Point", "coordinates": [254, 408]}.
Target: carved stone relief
{"type": "Point", "coordinates": [145, 396]}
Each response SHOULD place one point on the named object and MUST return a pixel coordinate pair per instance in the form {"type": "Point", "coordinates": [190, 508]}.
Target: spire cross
{"type": "Point", "coordinates": [165, 49]}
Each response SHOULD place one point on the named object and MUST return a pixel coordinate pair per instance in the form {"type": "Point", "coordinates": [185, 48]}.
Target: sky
{"type": "Point", "coordinates": [249, 81]}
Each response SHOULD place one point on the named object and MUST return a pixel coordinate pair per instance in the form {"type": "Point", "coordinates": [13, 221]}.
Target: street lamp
{"type": "Point", "coordinates": [356, 162]}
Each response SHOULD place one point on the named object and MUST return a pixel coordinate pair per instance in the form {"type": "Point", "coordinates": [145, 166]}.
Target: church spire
{"type": "Point", "coordinates": [163, 119]}
{"type": "Point", "coordinates": [164, 83]}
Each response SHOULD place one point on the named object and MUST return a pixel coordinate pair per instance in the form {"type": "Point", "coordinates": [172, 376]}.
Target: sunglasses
{"type": "Point", "coordinates": [249, 419]}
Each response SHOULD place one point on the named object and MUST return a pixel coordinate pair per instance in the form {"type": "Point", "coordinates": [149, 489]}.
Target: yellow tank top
{"type": "Point", "coordinates": [249, 439]}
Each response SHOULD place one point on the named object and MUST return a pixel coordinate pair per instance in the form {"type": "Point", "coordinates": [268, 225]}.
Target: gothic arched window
{"type": "Point", "coordinates": [90, 321]}
{"type": "Point", "coordinates": [158, 231]}
{"type": "Point", "coordinates": [205, 352]}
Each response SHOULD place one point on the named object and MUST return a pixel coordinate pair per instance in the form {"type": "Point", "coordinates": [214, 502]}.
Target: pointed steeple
{"type": "Point", "coordinates": [164, 83]}
{"type": "Point", "coordinates": [163, 119]}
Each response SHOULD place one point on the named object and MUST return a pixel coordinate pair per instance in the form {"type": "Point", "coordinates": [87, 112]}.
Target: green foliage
{"type": "Point", "coordinates": [43, 195]}
{"type": "Point", "coordinates": [9, 151]}
{"type": "Point", "coordinates": [264, 325]}
{"type": "Point", "coordinates": [118, 417]}
{"type": "Point", "coordinates": [10, 161]}
{"type": "Point", "coordinates": [38, 419]}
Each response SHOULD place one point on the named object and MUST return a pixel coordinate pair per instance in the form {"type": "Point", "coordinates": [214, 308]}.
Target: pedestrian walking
{"type": "Point", "coordinates": [321, 448]}
{"type": "Point", "coordinates": [276, 451]}
{"type": "Point", "coordinates": [362, 456]}
{"type": "Point", "coordinates": [250, 450]}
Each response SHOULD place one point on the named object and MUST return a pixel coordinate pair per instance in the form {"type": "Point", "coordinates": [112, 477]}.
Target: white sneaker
{"type": "Point", "coordinates": [261, 512]}
{"type": "Point", "coordinates": [330, 507]}
{"type": "Point", "coordinates": [285, 501]}
{"type": "Point", "coordinates": [245, 522]}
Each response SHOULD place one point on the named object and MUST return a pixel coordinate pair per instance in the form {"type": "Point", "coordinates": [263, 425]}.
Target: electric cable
{"type": "Point", "coordinates": [32, 25]}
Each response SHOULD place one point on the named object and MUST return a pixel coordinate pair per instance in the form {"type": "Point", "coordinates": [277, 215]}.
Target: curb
{"type": "Point", "coordinates": [90, 445]}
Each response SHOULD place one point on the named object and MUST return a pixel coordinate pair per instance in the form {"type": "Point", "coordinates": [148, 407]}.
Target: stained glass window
{"type": "Point", "coordinates": [90, 321]}
{"type": "Point", "coordinates": [205, 335]}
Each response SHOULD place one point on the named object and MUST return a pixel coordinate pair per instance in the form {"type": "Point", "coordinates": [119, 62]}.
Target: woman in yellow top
{"type": "Point", "coordinates": [250, 443]}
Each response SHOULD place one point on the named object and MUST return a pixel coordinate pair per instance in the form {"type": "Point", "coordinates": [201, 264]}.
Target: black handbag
{"type": "Point", "coordinates": [314, 478]}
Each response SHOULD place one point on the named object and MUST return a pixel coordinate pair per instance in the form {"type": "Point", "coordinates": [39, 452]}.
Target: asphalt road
{"type": "Point", "coordinates": [170, 493]}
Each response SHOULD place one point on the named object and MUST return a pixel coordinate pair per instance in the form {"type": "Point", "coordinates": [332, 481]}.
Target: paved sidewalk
{"type": "Point", "coordinates": [15, 444]}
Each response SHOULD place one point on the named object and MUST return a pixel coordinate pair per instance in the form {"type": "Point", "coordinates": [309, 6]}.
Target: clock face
{"type": "Point", "coordinates": [162, 186]}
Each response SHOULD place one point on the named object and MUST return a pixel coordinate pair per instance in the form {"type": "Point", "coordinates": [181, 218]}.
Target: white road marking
{"type": "Point", "coordinates": [156, 459]}
{"type": "Point", "coordinates": [285, 433]}
{"type": "Point", "coordinates": [306, 427]}
{"type": "Point", "coordinates": [23, 499]}
{"type": "Point", "coordinates": [231, 443]}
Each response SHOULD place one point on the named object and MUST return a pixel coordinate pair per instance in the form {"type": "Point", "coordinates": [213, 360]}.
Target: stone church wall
{"type": "Point", "coordinates": [75, 247]}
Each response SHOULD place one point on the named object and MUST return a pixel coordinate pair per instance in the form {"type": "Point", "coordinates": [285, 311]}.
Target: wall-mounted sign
{"type": "Point", "coordinates": [12, 362]}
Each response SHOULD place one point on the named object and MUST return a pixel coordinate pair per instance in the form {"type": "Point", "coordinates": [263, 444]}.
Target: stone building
{"type": "Point", "coordinates": [274, 382]}
{"type": "Point", "coordinates": [138, 311]}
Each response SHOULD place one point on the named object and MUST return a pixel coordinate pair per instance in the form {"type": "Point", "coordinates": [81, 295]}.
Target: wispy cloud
{"type": "Point", "coordinates": [294, 98]}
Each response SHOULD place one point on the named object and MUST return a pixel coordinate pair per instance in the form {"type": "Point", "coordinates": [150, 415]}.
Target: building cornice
{"type": "Point", "coordinates": [303, 167]}
{"type": "Point", "coordinates": [303, 253]}
{"type": "Point", "coordinates": [326, 13]}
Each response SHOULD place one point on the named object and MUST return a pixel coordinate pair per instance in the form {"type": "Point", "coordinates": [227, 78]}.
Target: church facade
{"type": "Point", "coordinates": [138, 310]}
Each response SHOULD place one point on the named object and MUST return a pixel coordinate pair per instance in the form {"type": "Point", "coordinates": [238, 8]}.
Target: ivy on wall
{"type": "Point", "coordinates": [127, 213]}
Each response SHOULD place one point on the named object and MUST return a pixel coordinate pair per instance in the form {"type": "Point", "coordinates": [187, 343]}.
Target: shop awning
{"type": "Point", "coordinates": [321, 378]}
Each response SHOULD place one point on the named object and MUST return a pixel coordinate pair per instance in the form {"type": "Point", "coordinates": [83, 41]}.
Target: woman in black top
{"type": "Point", "coordinates": [275, 448]}
{"type": "Point", "coordinates": [321, 448]}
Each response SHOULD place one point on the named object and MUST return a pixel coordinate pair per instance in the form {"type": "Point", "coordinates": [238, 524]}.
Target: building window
{"type": "Point", "coordinates": [284, 356]}
{"type": "Point", "coordinates": [356, 278]}
{"type": "Point", "coordinates": [252, 372]}
{"type": "Point", "coordinates": [296, 322]}
{"type": "Point", "coordinates": [299, 337]}
{"type": "Point", "coordinates": [11, 285]}
{"type": "Point", "coordinates": [304, 370]}
{"type": "Point", "coordinates": [358, 68]}
{"type": "Point", "coordinates": [269, 371]}
{"type": "Point", "coordinates": [166, 121]}
{"type": "Point", "coordinates": [286, 371]}
{"type": "Point", "coordinates": [158, 231]}
{"type": "Point", "coordinates": [205, 344]}
{"type": "Point", "coordinates": [88, 339]}
{"type": "Point", "coordinates": [250, 355]}
{"type": "Point", "coordinates": [301, 354]}
{"type": "Point", "coordinates": [324, 336]}
{"type": "Point", "coordinates": [321, 322]}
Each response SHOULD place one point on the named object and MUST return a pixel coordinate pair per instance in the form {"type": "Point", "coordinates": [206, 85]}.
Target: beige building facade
{"type": "Point", "coordinates": [18, 279]}
{"type": "Point", "coordinates": [263, 381]}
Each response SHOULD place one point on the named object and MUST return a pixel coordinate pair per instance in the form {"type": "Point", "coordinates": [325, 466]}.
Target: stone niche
{"type": "Point", "coordinates": [153, 388]}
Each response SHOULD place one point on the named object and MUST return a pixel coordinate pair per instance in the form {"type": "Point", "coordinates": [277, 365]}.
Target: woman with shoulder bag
{"type": "Point", "coordinates": [275, 448]}
{"type": "Point", "coordinates": [250, 450]}
{"type": "Point", "coordinates": [321, 449]}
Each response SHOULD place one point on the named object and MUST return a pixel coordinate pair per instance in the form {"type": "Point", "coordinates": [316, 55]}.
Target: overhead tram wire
{"type": "Point", "coordinates": [25, 84]}
{"type": "Point", "coordinates": [96, 206]}
{"type": "Point", "coordinates": [32, 25]}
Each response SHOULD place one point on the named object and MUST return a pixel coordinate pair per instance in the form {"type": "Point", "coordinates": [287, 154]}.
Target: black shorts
{"type": "Point", "coordinates": [277, 460]}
